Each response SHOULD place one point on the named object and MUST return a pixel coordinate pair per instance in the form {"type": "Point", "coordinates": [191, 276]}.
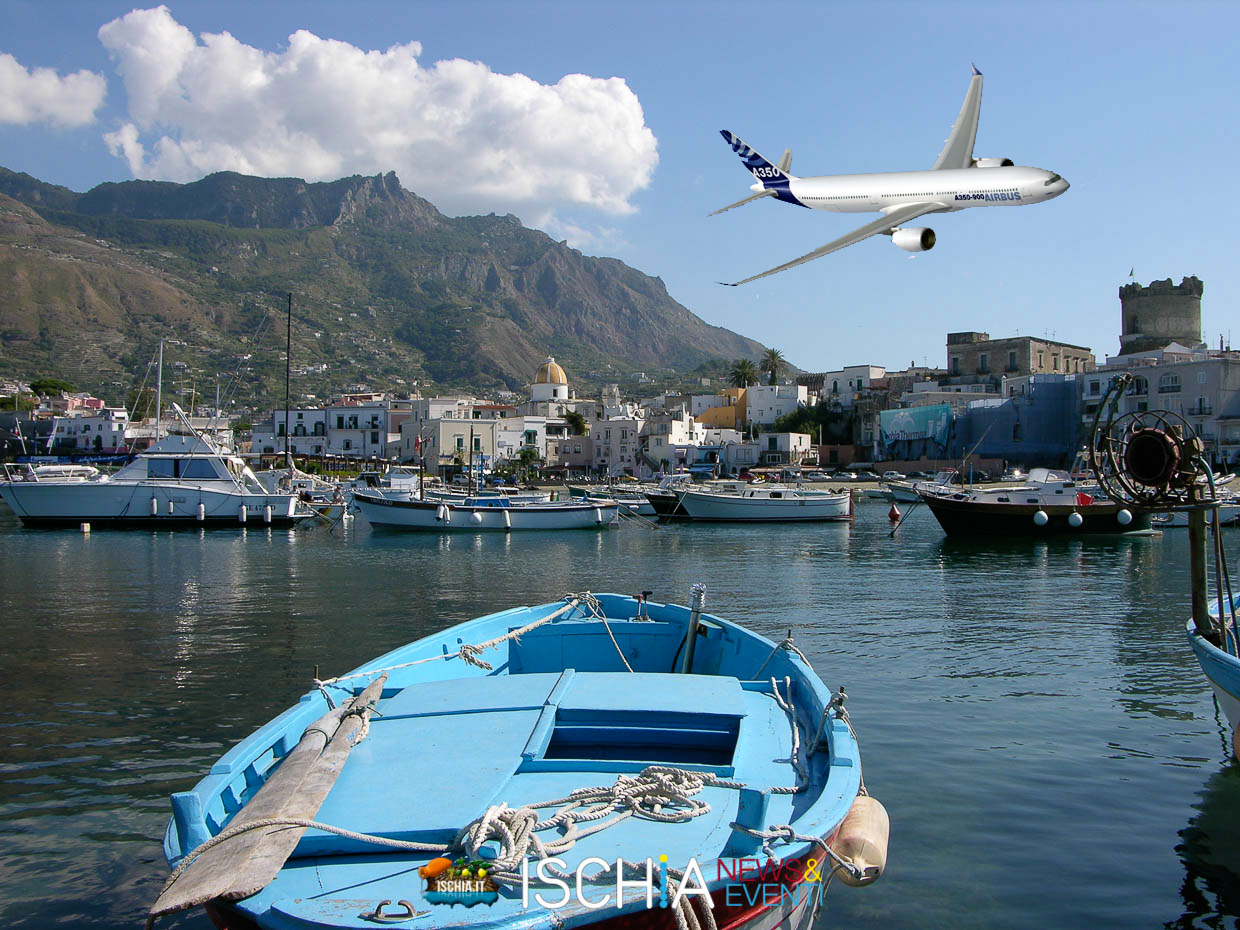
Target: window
{"type": "Point", "coordinates": [1169, 384]}
{"type": "Point", "coordinates": [477, 443]}
{"type": "Point", "coordinates": [374, 436]}
{"type": "Point", "coordinates": [1201, 377]}
{"type": "Point", "coordinates": [1012, 361]}
{"type": "Point", "coordinates": [1040, 362]}
{"type": "Point", "coordinates": [1095, 388]}
{"type": "Point", "coordinates": [1016, 432]}
{"type": "Point", "coordinates": [199, 468]}
{"type": "Point", "coordinates": [460, 443]}
{"type": "Point", "coordinates": [983, 363]}
{"type": "Point", "coordinates": [1055, 361]}
{"type": "Point", "coordinates": [955, 367]}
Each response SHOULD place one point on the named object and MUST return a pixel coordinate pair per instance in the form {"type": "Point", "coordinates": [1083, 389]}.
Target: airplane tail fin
{"type": "Point", "coordinates": [758, 166]}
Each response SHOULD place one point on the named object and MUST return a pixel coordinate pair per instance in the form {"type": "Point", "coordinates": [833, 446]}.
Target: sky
{"type": "Point", "coordinates": [599, 123]}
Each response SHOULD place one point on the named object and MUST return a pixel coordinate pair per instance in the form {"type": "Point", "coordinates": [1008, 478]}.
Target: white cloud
{"type": "Point", "coordinates": [43, 96]}
{"type": "Point", "coordinates": [457, 133]}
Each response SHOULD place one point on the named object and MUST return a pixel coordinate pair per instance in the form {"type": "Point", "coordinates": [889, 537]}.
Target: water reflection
{"type": "Point", "coordinates": [1209, 849]}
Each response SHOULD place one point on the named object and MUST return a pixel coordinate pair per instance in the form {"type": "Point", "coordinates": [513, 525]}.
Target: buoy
{"type": "Point", "coordinates": [267, 513]}
{"type": "Point", "coordinates": [241, 513]}
{"type": "Point", "coordinates": [1124, 517]}
{"type": "Point", "coordinates": [1040, 518]}
{"type": "Point", "coordinates": [154, 507]}
{"type": "Point", "coordinates": [476, 517]}
{"type": "Point", "coordinates": [862, 840]}
{"type": "Point", "coordinates": [202, 512]}
{"type": "Point", "coordinates": [86, 528]}
{"type": "Point", "coordinates": [893, 514]}
{"type": "Point", "coordinates": [1075, 520]}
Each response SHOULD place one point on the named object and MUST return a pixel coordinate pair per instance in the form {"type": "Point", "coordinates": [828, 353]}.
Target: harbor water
{"type": "Point", "coordinates": [1029, 712]}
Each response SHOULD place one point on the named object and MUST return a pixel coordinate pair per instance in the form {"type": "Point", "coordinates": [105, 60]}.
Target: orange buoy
{"type": "Point", "coordinates": [434, 867]}
{"type": "Point", "coordinates": [893, 514]}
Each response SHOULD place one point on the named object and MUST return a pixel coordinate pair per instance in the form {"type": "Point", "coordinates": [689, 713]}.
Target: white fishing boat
{"type": "Point", "coordinates": [767, 504]}
{"type": "Point", "coordinates": [478, 514]}
{"type": "Point", "coordinates": [909, 491]}
{"type": "Point", "coordinates": [181, 480]}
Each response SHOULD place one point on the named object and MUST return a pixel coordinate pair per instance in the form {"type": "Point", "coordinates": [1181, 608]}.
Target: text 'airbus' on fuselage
{"type": "Point", "coordinates": [956, 182]}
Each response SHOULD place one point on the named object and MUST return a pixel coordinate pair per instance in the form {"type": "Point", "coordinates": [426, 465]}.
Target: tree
{"type": "Point", "coordinates": [576, 423]}
{"type": "Point", "coordinates": [772, 364]}
{"type": "Point", "coordinates": [45, 386]}
{"type": "Point", "coordinates": [742, 373]}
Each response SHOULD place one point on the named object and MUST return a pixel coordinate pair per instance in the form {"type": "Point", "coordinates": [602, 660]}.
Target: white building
{"type": "Point", "coordinates": [1203, 386]}
{"type": "Point", "coordinates": [766, 403]}
{"type": "Point", "coordinates": [103, 431]}
{"type": "Point", "coordinates": [844, 385]}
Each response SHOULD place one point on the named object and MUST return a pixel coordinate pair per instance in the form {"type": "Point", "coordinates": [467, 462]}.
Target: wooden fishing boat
{"type": "Point", "coordinates": [478, 514]}
{"type": "Point", "coordinates": [1219, 657]}
{"type": "Point", "coordinates": [525, 761]}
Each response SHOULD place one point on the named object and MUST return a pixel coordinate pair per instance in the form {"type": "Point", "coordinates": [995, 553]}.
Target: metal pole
{"type": "Point", "coordinates": [288, 371]}
{"type": "Point", "coordinates": [159, 390]}
{"type": "Point", "coordinates": [1202, 617]}
{"type": "Point", "coordinates": [697, 600]}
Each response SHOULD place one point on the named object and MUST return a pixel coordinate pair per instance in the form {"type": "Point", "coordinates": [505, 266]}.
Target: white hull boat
{"type": "Point", "coordinates": [179, 481]}
{"type": "Point", "coordinates": [443, 516]}
{"type": "Point", "coordinates": [767, 505]}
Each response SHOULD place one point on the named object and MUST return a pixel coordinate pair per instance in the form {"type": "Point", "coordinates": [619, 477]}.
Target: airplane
{"type": "Point", "coordinates": [956, 182]}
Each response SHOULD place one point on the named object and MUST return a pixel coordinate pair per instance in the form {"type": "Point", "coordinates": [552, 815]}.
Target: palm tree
{"type": "Point", "coordinates": [743, 373]}
{"type": "Point", "coordinates": [772, 364]}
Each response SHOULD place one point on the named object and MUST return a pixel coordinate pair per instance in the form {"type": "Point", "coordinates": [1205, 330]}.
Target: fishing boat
{"type": "Point", "coordinates": [1051, 503]}
{"type": "Point", "coordinates": [184, 479]}
{"type": "Point", "coordinates": [665, 497]}
{"type": "Point", "coordinates": [478, 514]}
{"type": "Point", "coordinates": [596, 761]}
{"type": "Point", "coordinates": [633, 502]}
{"type": "Point", "coordinates": [1218, 653]}
{"type": "Point", "coordinates": [768, 503]}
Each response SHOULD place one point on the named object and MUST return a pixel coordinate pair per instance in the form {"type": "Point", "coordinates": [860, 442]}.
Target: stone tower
{"type": "Point", "coordinates": [1161, 313]}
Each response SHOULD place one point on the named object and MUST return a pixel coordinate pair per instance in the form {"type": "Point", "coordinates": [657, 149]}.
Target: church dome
{"type": "Point", "coordinates": [550, 373]}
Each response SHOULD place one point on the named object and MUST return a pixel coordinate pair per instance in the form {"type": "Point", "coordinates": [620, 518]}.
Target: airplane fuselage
{"type": "Point", "coordinates": [953, 188]}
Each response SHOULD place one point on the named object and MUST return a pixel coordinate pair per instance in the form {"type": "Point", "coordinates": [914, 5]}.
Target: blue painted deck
{"type": "Point", "coordinates": [558, 712]}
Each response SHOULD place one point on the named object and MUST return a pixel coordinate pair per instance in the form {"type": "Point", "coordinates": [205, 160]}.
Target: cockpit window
{"type": "Point", "coordinates": [1053, 179]}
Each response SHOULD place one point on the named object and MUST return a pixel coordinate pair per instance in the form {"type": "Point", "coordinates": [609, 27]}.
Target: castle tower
{"type": "Point", "coordinates": [550, 382]}
{"type": "Point", "coordinates": [1159, 314]}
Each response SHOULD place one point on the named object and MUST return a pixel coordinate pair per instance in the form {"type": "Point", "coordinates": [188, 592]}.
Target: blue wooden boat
{"type": "Point", "coordinates": [577, 742]}
{"type": "Point", "coordinates": [1221, 665]}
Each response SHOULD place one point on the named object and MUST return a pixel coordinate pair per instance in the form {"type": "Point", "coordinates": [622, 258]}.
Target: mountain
{"type": "Point", "coordinates": [388, 292]}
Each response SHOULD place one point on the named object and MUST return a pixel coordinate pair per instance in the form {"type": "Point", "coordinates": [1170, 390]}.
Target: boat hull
{"type": "Point", "coordinates": [1222, 671]}
{"type": "Point", "coordinates": [444, 517]}
{"type": "Point", "coordinates": [795, 508]}
{"type": "Point", "coordinates": [970, 518]}
{"type": "Point", "coordinates": [141, 505]}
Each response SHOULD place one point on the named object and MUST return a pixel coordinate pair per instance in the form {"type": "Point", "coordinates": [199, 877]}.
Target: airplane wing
{"type": "Point", "coordinates": [882, 225]}
{"type": "Point", "coordinates": [765, 193]}
{"type": "Point", "coordinates": [958, 151]}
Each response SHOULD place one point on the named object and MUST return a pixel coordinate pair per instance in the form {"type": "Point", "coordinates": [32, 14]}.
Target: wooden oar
{"type": "Point", "coordinates": [245, 864]}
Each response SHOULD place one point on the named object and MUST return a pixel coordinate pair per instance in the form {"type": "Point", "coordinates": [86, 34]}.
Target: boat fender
{"type": "Point", "coordinates": [507, 520]}
{"type": "Point", "coordinates": [267, 513]}
{"type": "Point", "coordinates": [1124, 517]}
{"type": "Point", "coordinates": [862, 841]}
{"type": "Point", "coordinates": [434, 867]}
{"type": "Point", "coordinates": [171, 507]}
{"type": "Point", "coordinates": [202, 512]}
{"type": "Point", "coordinates": [241, 514]}
{"type": "Point", "coordinates": [476, 517]}
{"type": "Point", "coordinates": [598, 515]}
{"type": "Point", "coordinates": [893, 514]}
{"type": "Point", "coordinates": [441, 512]}
{"type": "Point", "coordinates": [1075, 520]}
{"type": "Point", "coordinates": [154, 506]}
{"type": "Point", "coordinates": [1040, 518]}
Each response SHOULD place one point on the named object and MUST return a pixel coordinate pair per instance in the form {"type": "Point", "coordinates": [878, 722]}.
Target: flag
{"type": "Point", "coordinates": [417, 445]}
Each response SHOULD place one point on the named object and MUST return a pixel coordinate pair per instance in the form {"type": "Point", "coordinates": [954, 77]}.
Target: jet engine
{"type": "Point", "coordinates": [992, 163]}
{"type": "Point", "coordinates": [916, 239]}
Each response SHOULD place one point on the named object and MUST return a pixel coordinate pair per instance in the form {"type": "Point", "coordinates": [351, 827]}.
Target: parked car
{"type": "Point", "coordinates": [817, 476]}
{"type": "Point", "coordinates": [866, 476]}
{"type": "Point", "coordinates": [893, 476]}
{"type": "Point", "coordinates": [842, 476]}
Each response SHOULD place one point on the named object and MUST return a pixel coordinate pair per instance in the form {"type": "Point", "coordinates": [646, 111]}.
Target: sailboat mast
{"type": "Point", "coordinates": [159, 389]}
{"type": "Point", "coordinates": [288, 370]}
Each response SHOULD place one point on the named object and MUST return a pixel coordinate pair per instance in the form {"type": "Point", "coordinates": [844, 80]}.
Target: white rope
{"type": "Point", "coordinates": [790, 710]}
{"type": "Point", "coordinates": [787, 834]}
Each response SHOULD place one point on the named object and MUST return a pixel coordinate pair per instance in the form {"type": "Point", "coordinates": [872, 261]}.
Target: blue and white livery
{"type": "Point", "coordinates": [954, 183]}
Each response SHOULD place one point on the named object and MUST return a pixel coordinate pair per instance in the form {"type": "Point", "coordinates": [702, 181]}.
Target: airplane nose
{"type": "Point", "coordinates": [1065, 184]}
